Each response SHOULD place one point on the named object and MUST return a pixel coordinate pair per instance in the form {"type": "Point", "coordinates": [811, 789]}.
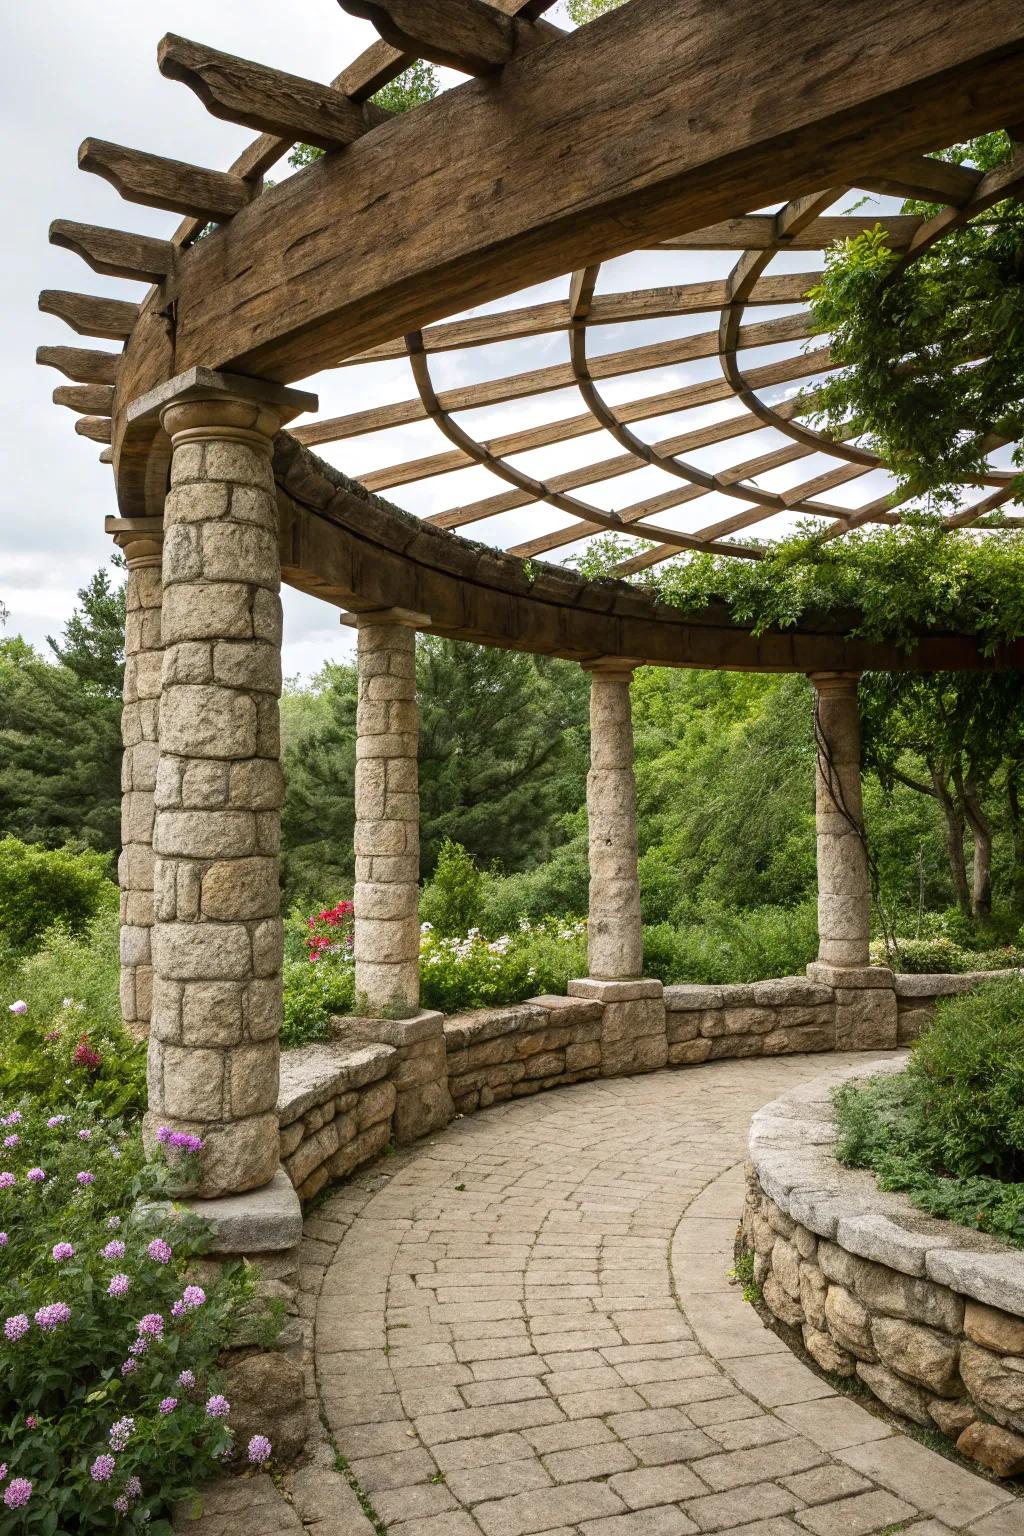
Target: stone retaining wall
{"type": "Point", "coordinates": [764, 1018]}
{"type": "Point", "coordinates": [505, 1053]}
{"type": "Point", "coordinates": [916, 997]}
{"type": "Point", "coordinates": [929, 1316]}
{"type": "Point", "coordinates": [336, 1106]}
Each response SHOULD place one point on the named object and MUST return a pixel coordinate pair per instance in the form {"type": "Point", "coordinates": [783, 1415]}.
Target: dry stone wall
{"type": "Point", "coordinates": [764, 1018]}
{"type": "Point", "coordinates": [927, 1315]}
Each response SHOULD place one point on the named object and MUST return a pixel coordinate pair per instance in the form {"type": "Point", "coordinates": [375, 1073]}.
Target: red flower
{"type": "Point", "coordinates": [86, 1056]}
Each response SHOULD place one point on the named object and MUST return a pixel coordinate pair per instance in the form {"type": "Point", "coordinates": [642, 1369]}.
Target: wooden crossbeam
{"type": "Point", "coordinates": [114, 252]}
{"type": "Point", "coordinates": [83, 364]}
{"type": "Point", "coordinates": [266, 99]}
{"type": "Point", "coordinates": [756, 232]}
{"type": "Point", "coordinates": [95, 427]}
{"type": "Point", "coordinates": [112, 319]}
{"type": "Point", "coordinates": [467, 35]}
{"type": "Point", "coordinates": [157, 182]}
{"type": "Point", "coordinates": [90, 399]}
{"type": "Point", "coordinates": [922, 177]}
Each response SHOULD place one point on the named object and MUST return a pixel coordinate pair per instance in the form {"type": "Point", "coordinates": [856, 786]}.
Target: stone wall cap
{"type": "Point", "coordinates": [264, 1220]}
{"type": "Point", "coordinates": [488, 1023]}
{"type": "Point", "coordinates": [209, 383]}
{"type": "Point", "coordinates": [936, 984]}
{"type": "Point", "coordinates": [614, 991]}
{"type": "Point", "coordinates": [579, 1009]}
{"type": "Point", "coordinates": [684, 998]}
{"type": "Point", "coordinates": [849, 976]}
{"type": "Point", "coordinates": [425, 1025]}
{"type": "Point", "coordinates": [987, 1270]}
{"type": "Point", "coordinates": [315, 1073]}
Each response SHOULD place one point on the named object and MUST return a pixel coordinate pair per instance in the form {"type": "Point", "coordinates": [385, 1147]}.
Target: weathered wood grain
{"type": "Point", "coordinates": [95, 427]}
{"type": "Point", "coordinates": [115, 252]}
{"type": "Point", "coordinates": [89, 315]}
{"type": "Point", "coordinates": [90, 399]}
{"type": "Point", "coordinates": [467, 35]}
{"type": "Point", "coordinates": [156, 182]}
{"type": "Point", "coordinates": [84, 364]}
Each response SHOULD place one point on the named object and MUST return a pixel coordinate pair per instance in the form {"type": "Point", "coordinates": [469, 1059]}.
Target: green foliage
{"type": "Point", "coordinates": [950, 1129]}
{"type": "Point", "coordinates": [451, 898]}
{"type": "Point", "coordinates": [70, 987]}
{"type": "Point", "coordinates": [313, 993]}
{"type": "Point", "coordinates": [475, 972]}
{"type": "Point", "coordinates": [942, 957]}
{"type": "Point", "coordinates": [64, 1384]}
{"type": "Point", "coordinates": [414, 85]}
{"type": "Point", "coordinates": [40, 887]}
{"type": "Point", "coordinates": [910, 334]}
{"type": "Point", "coordinates": [93, 642]}
{"type": "Point", "coordinates": [582, 11]}
{"type": "Point", "coordinates": [732, 946]}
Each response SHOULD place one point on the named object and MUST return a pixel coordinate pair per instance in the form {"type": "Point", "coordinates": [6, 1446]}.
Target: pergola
{"type": "Point", "coordinates": [666, 126]}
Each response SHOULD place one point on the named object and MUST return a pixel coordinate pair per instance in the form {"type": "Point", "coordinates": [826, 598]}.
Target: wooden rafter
{"type": "Point", "coordinates": [468, 35]}
{"type": "Point", "coordinates": [156, 182]}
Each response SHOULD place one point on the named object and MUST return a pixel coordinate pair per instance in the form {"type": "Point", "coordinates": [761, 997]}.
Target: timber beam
{"type": "Point", "coordinates": [85, 365]}
{"type": "Point", "coordinates": [468, 35]}
{"type": "Point", "coordinates": [114, 252]}
{"type": "Point", "coordinates": [156, 182]}
{"type": "Point", "coordinates": [89, 315]}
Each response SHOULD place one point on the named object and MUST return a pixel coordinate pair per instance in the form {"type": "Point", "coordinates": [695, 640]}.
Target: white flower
{"type": "Point", "coordinates": [19, 1007]}
{"type": "Point", "coordinates": [67, 1002]}
{"type": "Point", "coordinates": [426, 927]}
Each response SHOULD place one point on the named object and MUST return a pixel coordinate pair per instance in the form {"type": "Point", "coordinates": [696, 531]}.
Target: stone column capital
{"type": "Point", "coordinates": [407, 618]}
{"type": "Point", "coordinates": [140, 538]}
{"type": "Point", "coordinates": [202, 403]}
{"type": "Point", "coordinates": [611, 668]}
{"type": "Point", "coordinates": [835, 682]}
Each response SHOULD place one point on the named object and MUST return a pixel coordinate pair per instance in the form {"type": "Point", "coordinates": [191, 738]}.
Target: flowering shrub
{"type": "Point", "coordinates": [477, 972]}
{"type": "Point", "coordinates": [109, 1404]}
{"type": "Point", "coordinates": [331, 932]}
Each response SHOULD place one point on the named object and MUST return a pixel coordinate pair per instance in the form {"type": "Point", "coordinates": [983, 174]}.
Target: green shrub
{"type": "Point", "coordinates": [721, 946]}
{"type": "Point", "coordinates": [475, 972]}
{"type": "Point", "coordinates": [451, 900]}
{"type": "Point", "coordinates": [101, 1429]}
{"type": "Point", "coordinates": [313, 991]}
{"type": "Point", "coordinates": [944, 957]}
{"type": "Point", "coordinates": [43, 886]}
{"type": "Point", "coordinates": [70, 988]}
{"type": "Point", "coordinates": [950, 1129]}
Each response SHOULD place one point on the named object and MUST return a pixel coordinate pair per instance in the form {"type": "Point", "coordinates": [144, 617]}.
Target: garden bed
{"type": "Point", "coordinates": [928, 1316]}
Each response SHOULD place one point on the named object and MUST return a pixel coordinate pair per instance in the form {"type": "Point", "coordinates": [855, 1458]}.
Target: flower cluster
{"type": "Point", "coordinates": [331, 932]}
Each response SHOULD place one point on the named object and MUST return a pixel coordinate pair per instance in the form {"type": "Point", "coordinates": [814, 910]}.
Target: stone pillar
{"type": "Point", "coordinates": [633, 1032]}
{"type": "Point", "coordinates": [615, 945]}
{"type": "Point", "coordinates": [213, 1050]}
{"type": "Point", "coordinates": [864, 995]}
{"type": "Point", "coordinates": [844, 898]}
{"type": "Point", "coordinates": [139, 734]}
{"type": "Point", "coordinates": [387, 831]}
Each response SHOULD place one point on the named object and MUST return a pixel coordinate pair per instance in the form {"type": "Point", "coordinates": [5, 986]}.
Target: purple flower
{"type": "Point", "coordinates": [187, 1380]}
{"type": "Point", "coordinates": [3, 1470]}
{"type": "Point", "coordinates": [259, 1449]}
{"type": "Point", "coordinates": [16, 1327]}
{"type": "Point", "coordinates": [13, 1140]}
{"type": "Point", "coordinates": [121, 1433]}
{"type": "Point", "coordinates": [31, 1422]}
{"type": "Point", "coordinates": [35, 1175]}
{"type": "Point", "coordinates": [128, 1367]}
{"type": "Point", "coordinates": [114, 1224]}
{"type": "Point", "coordinates": [163, 1135]}
{"type": "Point", "coordinates": [56, 1120]}
{"type": "Point", "coordinates": [17, 1493]}
{"type": "Point", "coordinates": [85, 1135]}
{"type": "Point", "coordinates": [19, 1007]}
{"type": "Point", "coordinates": [217, 1407]}
{"type": "Point", "coordinates": [184, 1141]}
{"type": "Point", "coordinates": [4, 1239]}
{"type": "Point", "coordinates": [123, 1504]}
{"type": "Point", "coordinates": [152, 1324]}
{"type": "Point", "coordinates": [113, 1250]}
{"type": "Point", "coordinates": [133, 1488]}
{"type": "Point", "coordinates": [168, 1404]}
{"type": "Point", "coordinates": [102, 1469]}
{"type": "Point", "coordinates": [14, 1118]}
{"type": "Point", "coordinates": [85, 1178]}
{"type": "Point", "coordinates": [62, 1251]}
{"type": "Point", "coordinates": [119, 1285]}
{"type": "Point", "coordinates": [138, 1346]}
{"type": "Point", "coordinates": [7, 1179]}
{"type": "Point", "coordinates": [52, 1316]}
{"type": "Point", "coordinates": [160, 1251]}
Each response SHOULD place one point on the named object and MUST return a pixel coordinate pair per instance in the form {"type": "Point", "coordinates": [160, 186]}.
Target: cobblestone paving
{"type": "Point", "coordinates": [528, 1328]}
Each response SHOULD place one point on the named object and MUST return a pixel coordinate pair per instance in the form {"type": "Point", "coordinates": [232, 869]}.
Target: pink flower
{"type": "Point", "coordinates": [62, 1251]}
{"type": "Point", "coordinates": [85, 1135]}
{"type": "Point", "coordinates": [217, 1407]}
{"type": "Point", "coordinates": [259, 1449]}
{"type": "Point", "coordinates": [17, 1493]}
{"type": "Point", "coordinates": [152, 1325]}
{"type": "Point", "coordinates": [31, 1422]}
{"type": "Point", "coordinates": [160, 1251]}
{"type": "Point", "coordinates": [7, 1179]}
{"type": "Point", "coordinates": [128, 1367]}
{"type": "Point", "coordinates": [35, 1175]}
{"type": "Point", "coordinates": [194, 1296]}
{"type": "Point", "coordinates": [187, 1380]}
{"type": "Point", "coordinates": [119, 1285]}
{"type": "Point", "coordinates": [14, 1118]}
{"type": "Point", "coordinates": [52, 1316]}
{"type": "Point", "coordinates": [113, 1250]}
{"type": "Point", "coordinates": [121, 1433]}
{"type": "Point", "coordinates": [56, 1120]}
{"type": "Point", "coordinates": [3, 1239]}
{"type": "Point", "coordinates": [16, 1327]}
{"type": "Point", "coordinates": [168, 1404]}
{"type": "Point", "coordinates": [85, 1178]}
{"type": "Point", "coordinates": [19, 1007]}
{"type": "Point", "coordinates": [102, 1469]}
{"type": "Point", "coordinates": [12, 1141]}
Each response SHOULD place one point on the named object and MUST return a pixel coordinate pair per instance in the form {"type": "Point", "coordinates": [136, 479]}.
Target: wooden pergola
{"type": "Point", "coordinates": [668, 126]}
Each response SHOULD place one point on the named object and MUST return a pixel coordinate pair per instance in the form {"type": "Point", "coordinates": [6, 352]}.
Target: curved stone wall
{"type": "Point", "coordinates": [927, 1315]}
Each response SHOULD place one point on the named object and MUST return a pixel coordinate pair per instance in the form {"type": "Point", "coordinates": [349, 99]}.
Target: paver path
{"type": "Point", "coordinates": [528, 1327]}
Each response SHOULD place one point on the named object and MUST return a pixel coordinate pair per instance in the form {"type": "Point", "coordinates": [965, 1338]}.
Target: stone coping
{"type": "Point", "coordinates": [908, 984]}
{"type": "Point", "coordinates": [312, 1073]}
{"type": "Point", "coordinates": [791, 1149]}
{"type": "Point", "coordinates": [778, 992]}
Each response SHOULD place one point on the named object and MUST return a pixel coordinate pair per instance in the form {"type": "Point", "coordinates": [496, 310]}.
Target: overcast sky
{"type": "Point", "coordinates": [69, 71]}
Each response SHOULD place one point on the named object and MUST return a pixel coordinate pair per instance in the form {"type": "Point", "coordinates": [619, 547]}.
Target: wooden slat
{"type": "Point", "coordinates": [922, 177]}
{"type": "Point", "coordinates": [467, 35]}
{"type": "Point", "coordinates": [756, 232]}
{"type": "Point", "coordinates": [88, 315]}
{"type": "Point", "coordinates": [995, 185]}
{"type": "Point", "coordinates": [374, 69]}
{"type": "Point", "coordinates": [84, 364]}
{"type": "Point", "coordinates": [95, 427]}
{"type": "Point", "coordinates": [90, 399]}
{"type": "Point", "coordinates": [286, 295]}
{"type": "Point", "coordinates": [115, 252]}
{"type": "Point", "coordinates": [266, 99]}
{"type": "Point", "coordinates": [157, 182]}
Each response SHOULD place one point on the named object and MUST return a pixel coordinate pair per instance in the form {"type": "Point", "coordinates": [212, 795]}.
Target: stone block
{"type": "Point", "coordinates": [376, 1102]}
{"type": "Point", "coordinates": [910, 1022]}
{"type": "Point", "coordinates": [241, 889]}
{"type": "Point", "coordinates": [994, 1329]}
{"type": "Point", "coordinates": [982, 1268]}
{"type": "Point", "coordinates": [884, 1290]}
{"type": "Point", "coordinates": [267, 1393]}
{"type": "Point", "coordinates": [211, 1013]}
{"type": "Point", "coordinates": [849, 976]}
{"type": "Point", "coordinates": [922, 1355]}
{"type": "Point", "coordinates": [255, 785]}
{"type": "Point", "coordinates": [689, 1053]}
{"type": "Point", "coordinates": [600, 990]}
{"type": "Point", "coordinates": [849, 1322]}
{"type": "Point", "coordinates": [621, 1057]}
{"type": "Point", "coordinates": [786, 1266]}
{"type": "Point", "coordinates": [995, 1383]}
{"type": "Point", "coordinates": [899, 1395]}
{"type": "Point", "coordinates": [583, 1055]}
{"type": "Point", "coordinates": [193, 1082]}
{"type": "Point", "coordinates": [824, 1350]}
{"type": "Point", "coordinates": [865, 1019]}
{"type": "Point", "coordinates": [263, 1221]}
{"type": "Point", "coordinates": [781, 1303]}
{"type": "Point", "coordinates": [952, 1415]}
{"type": "Point", "coordinates": [201, 951]}
{"type": "Point", "coordinates": [253, 1078]}
{"type": "Point", "coordinates": [1000, 1450]}
{"type": "Point", "coordinates": [250, 664]}
{"type": "Point", "coordinates": [813, 1290]}
{"type": "Point", "coordinates": [684, 999]}
{"type": "Point", "coordinates": [738, 1021]}
{"type": "Point", "coordinates": [204, 834]}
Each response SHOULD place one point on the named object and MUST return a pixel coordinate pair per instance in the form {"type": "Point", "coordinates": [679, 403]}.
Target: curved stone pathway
{"type": "Point", "coordinates": [524, 1325]}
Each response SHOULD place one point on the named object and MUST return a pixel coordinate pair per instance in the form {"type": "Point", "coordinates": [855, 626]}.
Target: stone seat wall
{"type": "Point", "coordinates": [916, 997]}
{"type": "Point", "coordinates": [929, 1316]}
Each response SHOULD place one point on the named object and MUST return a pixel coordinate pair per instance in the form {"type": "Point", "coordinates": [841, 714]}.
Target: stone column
{"type": "Point", "coordinates": [213, 1051]}
{"type": "Point", "coordinates": [865, 999]}
{"type": "Point", "coordinates": [633, 1035]}
{"type": "Point", "coordinates": [387, 838]}
{"type": "Point", "coordinates": [387, 831]}
{"type": "Point", "coordinates": [143, 656]}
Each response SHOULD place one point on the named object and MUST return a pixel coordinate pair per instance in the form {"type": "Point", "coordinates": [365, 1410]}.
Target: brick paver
{"type": "Point", "coordinates": [524, 1326]}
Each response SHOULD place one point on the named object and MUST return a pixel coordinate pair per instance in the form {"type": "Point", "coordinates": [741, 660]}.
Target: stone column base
{"type": "Point", "coordinates": [866, 1008]}
{"type": "Point", "coordinates": [633, 1030]}
{"type": "Point", "coordinates": [420, 1070]}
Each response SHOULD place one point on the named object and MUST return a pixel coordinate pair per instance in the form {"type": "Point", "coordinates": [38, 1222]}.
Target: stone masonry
{"type": "Point", "coordinates": [843, 892]}
{"type": "Point", "coordinates": [615, 947]}
{"type": "Point", "coordinates": [140, 738]}
{"type": "Point", "coordinates": [213, 1054]}
{"type": "Point", "coordinates": [387, 940]}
